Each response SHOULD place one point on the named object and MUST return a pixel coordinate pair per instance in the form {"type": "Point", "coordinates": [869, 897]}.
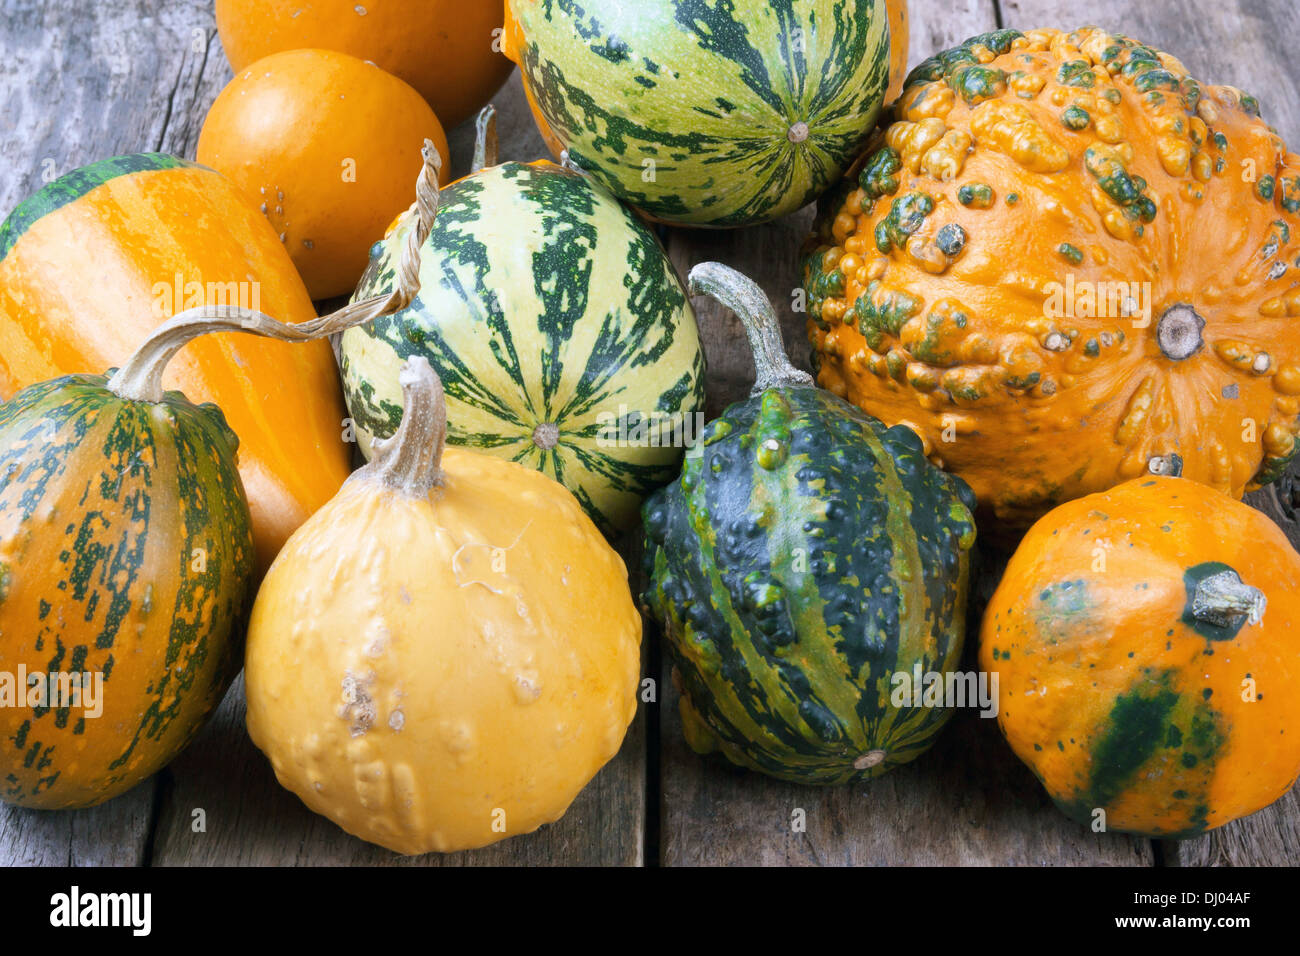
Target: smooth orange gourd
{"type": "Point", "coordinates": [448, 50]}
{"type": "Point", "coordinates": [447, 652]}
{"type": "Point", "coordinates": [1146, 642]}
{"type": "Point", "coordinates": [93, 263]}
{"type": "Point", "coordinates": [326, 146]}
{"type": "Point", "coordinates": [1065, 258]}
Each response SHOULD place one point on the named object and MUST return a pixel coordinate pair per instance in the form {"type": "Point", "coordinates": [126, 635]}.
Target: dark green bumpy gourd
{"type": "Point", "coordinates": [806, 555]}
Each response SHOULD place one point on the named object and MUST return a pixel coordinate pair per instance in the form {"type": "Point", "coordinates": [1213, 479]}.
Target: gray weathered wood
{"type": "Point", "coordinates": [82, 81]}
{"type": "Point", "coordinates": [113, 834]}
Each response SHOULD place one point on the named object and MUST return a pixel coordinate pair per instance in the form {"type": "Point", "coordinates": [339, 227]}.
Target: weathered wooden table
{"type": "Point", "coordinates": [82, 81]}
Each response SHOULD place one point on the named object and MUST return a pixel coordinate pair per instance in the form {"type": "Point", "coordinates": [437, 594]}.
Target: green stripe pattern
{"type": "Point", "coordinates": [72, 439]}
{"type": "Point", "coordinates": [561, 333]}
{"type": "Point", "coordinates": [711, 112]}
{"type": "Point", "coordinates": [68, 189]}
{"type": "Point", "coordinates": [806, 556]}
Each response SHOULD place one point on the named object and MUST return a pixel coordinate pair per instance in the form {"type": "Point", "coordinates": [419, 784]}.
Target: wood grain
{"type": "Point", "coordinates": [83, 81]}
{"type": "Point", "coordinates": [113, 834]}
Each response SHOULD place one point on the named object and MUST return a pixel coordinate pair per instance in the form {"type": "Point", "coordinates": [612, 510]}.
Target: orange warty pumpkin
{"type": "Point", "coordinates": [1146, 642]}
{"type": "Point", "coordinates": [326, 146]}
{"type": "Point", "coordinates": [449, 51]}
{"type": "Point", "coordinates": [1063, 259]}
{"type": "Point", "coordinates": [899, 36]}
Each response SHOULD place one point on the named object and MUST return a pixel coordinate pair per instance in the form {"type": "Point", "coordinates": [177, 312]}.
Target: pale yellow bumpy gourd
{"type": "Point", "coordinates": [447, 652]}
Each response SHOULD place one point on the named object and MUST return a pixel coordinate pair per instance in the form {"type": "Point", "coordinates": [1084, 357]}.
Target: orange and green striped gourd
{"type": "Point", "coordinates": [97, 259]}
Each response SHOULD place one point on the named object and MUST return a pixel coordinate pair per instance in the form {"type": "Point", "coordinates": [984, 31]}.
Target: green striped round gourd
{"type": "Point", "coordinates": [807, 555]}
{"type": "Point", "coordinates": [126, 554]}
{"type": "Point", "coordinates": [557, 325]}
{"type": "Point", "coordinates": [705, 113]}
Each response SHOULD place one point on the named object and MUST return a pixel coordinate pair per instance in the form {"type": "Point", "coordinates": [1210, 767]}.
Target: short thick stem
{"type": "Point", "coordinates": [743, 297]}
{"type": "Point", "coordinates": [410, 462]}
{"type": "Point", "coordinates": [1179, 332]}
{"type": "Point", "coordinates": [140, 377]}
{"type": "Point", "coordinates": [1170, 465]}
{"type": "Point", "coordinates": [1224, 600]}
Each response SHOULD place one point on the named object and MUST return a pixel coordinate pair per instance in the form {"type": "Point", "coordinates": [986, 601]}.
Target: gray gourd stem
{"type": "Point", "coordinates": [743, 296]}
{"type": "Point", "coordinates": [140, 377]}
{"type": "Point", "coordinates": [1222, 599]}
{"type": "Point", "coordinates": [1180, 332]}
{"type": "Point", "coordinates": [485, 139]}
{"type": "Point", "coordinates": [410, 463]}
{"type": "Point", "coordinates": [1225, 600]}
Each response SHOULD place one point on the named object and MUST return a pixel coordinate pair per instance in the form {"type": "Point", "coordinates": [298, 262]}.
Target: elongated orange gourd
{"type": "Point", "coordinates": [96, 260]}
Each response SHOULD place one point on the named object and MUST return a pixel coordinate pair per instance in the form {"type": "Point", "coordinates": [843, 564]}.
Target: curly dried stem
{"type": "Point", "coordinates": [140, 377]}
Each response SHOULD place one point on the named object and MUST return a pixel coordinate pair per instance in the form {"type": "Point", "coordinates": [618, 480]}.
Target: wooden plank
{"type": "Point", "coordinates": [113, 834]}
{"type": "Point", "coordinates": [1242, 43]}
{"type": "Point", "coordinates": [79, 82]}
{"type": "Point", "coordinates": [968, 801]}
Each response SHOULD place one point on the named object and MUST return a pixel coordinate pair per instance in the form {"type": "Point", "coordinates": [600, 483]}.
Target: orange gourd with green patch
{"type": "Point", "coordinates": [1146, 642]}
{"type": "Point", "coordinates": [95, 260]}
{"type": "Point", "coordinates": [1066, 257]}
